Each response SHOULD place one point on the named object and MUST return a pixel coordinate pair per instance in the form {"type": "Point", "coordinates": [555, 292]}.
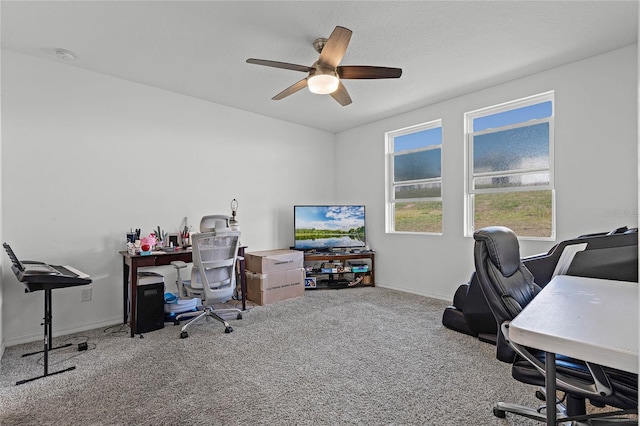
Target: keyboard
{"type": "Point", "coordinates": [43, 268]}
{"type": "Point", "coordinates": [69, 270]}
{"type": "Point", "coordinates": [40, 268]}
{"type": "Point", "coordinates": [41, 276]}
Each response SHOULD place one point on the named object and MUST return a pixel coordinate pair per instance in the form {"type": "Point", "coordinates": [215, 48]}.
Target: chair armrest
{"type": "Point", "coordinates": [600, 378]}
{"type": "Point", "coordinates": [179, 264]}
{"type": "Point", "coordinates": [600, 387]}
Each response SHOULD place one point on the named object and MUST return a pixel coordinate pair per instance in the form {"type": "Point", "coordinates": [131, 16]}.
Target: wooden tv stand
{"type": "Point", "coordinates": [358, 276]}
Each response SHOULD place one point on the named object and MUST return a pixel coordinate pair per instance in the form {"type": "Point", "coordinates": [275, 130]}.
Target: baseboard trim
{"type": "Point", "coordinates": [28, 338]}
{"type": "Point", "coordinates": [414, 291]}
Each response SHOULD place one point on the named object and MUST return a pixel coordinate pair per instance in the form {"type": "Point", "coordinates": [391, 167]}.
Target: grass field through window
{"type": "Point", "coordinates": [425, 216]}
{"type": "Point", "coordinates": [527, 213]}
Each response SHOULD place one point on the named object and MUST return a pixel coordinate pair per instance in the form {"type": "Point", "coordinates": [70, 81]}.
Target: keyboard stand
{"type": "Point", "coordinates": [48, 328]}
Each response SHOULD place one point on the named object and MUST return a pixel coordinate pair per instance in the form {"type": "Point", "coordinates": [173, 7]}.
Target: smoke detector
{"type": "Point", "coordinates": [65, 55]}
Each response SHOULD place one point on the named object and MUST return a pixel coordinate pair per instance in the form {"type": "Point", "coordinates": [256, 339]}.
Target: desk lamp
{"type": "Point", "coordinates": [233, 223]}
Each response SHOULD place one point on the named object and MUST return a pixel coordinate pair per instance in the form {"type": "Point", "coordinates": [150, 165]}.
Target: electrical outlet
{"type": "Point", "coordinates": [85, 296]}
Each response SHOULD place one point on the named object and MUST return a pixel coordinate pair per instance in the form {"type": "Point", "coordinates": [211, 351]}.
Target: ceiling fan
{"type": "Point", "coordinates": [325, 74]}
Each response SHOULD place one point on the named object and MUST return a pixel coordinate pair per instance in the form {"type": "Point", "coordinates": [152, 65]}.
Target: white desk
{"type": "Point", "coordinates": [590, 319]}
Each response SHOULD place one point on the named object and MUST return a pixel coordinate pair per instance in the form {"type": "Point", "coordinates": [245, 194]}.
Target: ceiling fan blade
{"type": "Point", "coordinates": [276, 64]}
{"type": "Point", "coordinates": [368, 72]}
{"type": "Point", "coordinates": [291, 89]}
{"type": "Point", "coordinates": [335, 47]}
{"type": "Point", "coordinates": [341, 95]}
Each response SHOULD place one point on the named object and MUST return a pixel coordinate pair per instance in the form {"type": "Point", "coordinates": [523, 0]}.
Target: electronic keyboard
{"type": "Point", "coordinates": [41, 276]}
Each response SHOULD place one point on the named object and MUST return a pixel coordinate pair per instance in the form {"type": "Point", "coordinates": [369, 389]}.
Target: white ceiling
{"type": "Point", "coordinates": [199, 48]}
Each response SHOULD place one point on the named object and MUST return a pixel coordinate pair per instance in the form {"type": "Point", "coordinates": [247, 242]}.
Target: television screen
{"type": "Point", "coordinates": [327, 227]}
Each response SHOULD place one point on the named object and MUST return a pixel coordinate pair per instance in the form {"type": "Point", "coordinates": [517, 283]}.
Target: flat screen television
{"type": "Point", "coordinates": [327, 227]}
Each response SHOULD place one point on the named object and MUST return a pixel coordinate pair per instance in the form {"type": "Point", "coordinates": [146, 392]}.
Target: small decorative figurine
{"type": "Point", "coordinates": [147, 243]}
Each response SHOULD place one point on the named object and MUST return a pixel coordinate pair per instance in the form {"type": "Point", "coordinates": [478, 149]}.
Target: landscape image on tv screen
{"type": "Point", "coordinates": [326, 227]}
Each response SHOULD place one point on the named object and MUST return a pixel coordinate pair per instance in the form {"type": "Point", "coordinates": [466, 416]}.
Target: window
{"type": "Point", "coordinates": [414, 179]}
{"type": "Point", "coordinates": [510, 167]}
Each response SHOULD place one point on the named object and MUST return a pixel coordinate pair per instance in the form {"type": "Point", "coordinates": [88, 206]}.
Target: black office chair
{"type": "Point", "coordinates": [508, 287]}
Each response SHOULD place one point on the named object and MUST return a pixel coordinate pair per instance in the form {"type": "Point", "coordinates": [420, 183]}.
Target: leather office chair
{"type": "Point", "coordinates": [213, 276]}
{"type": "Point", "coordinates": [611, 255]}
{"type": "Point", "coordinates": [508, 287]}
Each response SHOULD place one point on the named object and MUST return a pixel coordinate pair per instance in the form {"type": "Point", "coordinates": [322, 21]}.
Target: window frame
{"type": "Point", "coordinates": [391, 184]}
{"type": "Point", "coordinates": [469, 134]}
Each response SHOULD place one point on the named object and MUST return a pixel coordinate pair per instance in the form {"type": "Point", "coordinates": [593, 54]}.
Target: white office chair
{"type": "Point", "coordinates": [221, 223]}
{"type": "Point", "coordinates": [218, 223]}
{"type": "Point", "coordinates": [213, 276]}
{"type": "Point", "coordinates": [215, 222]}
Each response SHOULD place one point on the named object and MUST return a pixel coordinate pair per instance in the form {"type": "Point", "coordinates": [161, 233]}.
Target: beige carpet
{"type": "Point", "coordinates": [355, 356]}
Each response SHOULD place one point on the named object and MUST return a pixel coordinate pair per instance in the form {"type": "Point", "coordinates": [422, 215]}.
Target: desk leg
{"type": "Point", "coordinates": [550, 387]}
{"type": "Point", "coordinates": [129, 289]}
{"type": "Point", "coordinates": [243, 285]}
{"type": "Point", "coordinates": [125, 290]}
{"type": "Point", "coordinates": [133, 319]}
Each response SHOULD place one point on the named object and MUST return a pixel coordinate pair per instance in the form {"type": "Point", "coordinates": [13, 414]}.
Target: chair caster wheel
{"type": "Point", "coordinates": [176, 322]}
{"type": "Point", "coordinates": [239, 316]}
{"type": "Point", "coordinates": [541, 396]}
{"type": "Point", "coordinates": [184, 335]}
{"type": "Point", "coordinates": [499, 413]}
{"type": "Point", "coordinates": [228, 329]}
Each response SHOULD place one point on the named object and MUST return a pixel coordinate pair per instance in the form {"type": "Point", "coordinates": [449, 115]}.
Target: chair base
{"type": "Point", "coordinates": [501, 408]}
{"type": "Point", "coordinates": [594, 419]}
{"type": "Point", "coordinates": [207, 312]}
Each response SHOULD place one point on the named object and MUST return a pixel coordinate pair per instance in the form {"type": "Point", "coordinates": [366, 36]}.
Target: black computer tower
{"type": "Point", "coordinates": [150, 302]}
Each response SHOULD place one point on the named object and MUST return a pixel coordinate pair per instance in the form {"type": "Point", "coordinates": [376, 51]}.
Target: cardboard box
{"type": "Point", "coordinates": [264, 289]}
{"type": "Point", "coordinates": [267, 261]}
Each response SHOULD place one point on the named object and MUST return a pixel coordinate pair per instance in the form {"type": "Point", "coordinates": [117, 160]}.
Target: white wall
{"type": "Point", "coordinates": [2, 263]}
{"type": "Point", "coordinates": [596, 165]}
{"type": "Point", "coordinates": [85, 157]}
{"type": "Point", "coordinates": [123, 155]}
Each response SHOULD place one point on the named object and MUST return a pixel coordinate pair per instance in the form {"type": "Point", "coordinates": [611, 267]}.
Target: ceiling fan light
{"type": "Point", "coordinates": [323, 84]}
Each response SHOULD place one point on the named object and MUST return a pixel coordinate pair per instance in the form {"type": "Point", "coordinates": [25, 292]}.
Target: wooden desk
{"type": "Point", "coordinates": [590, 319]}
{"type": "Point", "coordinates": [131, 263]}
